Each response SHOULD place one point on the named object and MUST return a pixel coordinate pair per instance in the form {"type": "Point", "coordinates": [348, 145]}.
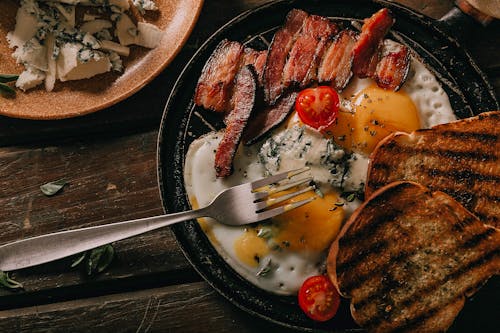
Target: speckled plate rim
{"type": "Point", "coordinates": [193, 242]}
{"type": "Point", "coordinates": [75, 112]}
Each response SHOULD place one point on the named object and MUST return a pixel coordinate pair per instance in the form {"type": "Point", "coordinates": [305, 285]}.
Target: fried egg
{"type": "Point", "coordinates": [278, 255]}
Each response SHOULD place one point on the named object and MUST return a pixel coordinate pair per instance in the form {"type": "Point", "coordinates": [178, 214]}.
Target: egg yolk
{"type": "Point", "coordinates": [312, 227]}
{"type": "Point", "coordinates": [250, 248]}
{"type": "Point", "coordinates": [377, 113]}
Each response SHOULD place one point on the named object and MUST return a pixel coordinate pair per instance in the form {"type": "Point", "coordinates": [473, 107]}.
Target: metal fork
{"type": "Point", "coordinates": [239, 205]}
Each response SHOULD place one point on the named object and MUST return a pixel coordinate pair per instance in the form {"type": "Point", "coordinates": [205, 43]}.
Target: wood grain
{"type": "Point", "coordinates": [167, 309]}
{"type": "Point", "coordinates": [109, 159]}
{"type": "Point", "coordinates": [110, 180]}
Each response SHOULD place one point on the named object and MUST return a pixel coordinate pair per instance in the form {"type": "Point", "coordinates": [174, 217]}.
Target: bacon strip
{"type": "Point", "coordinates": [372, 33]}
{"type": "Point", "coordinates": [278, 51]}
{"type": "Point", "coordinates": [393, 69]}
{"type": "Point", "coordinates": [306, 50]}
{"type": "Point", "coordinates": [243, 101]}
{"type": "Point", "coordinates": [335, 67]}
{"type": "Point", "coordinates": [258, 60]}
{"type": "Point", "coordinates": [268, 118]}
{"type": "Point", "coordinates": [214, 88]}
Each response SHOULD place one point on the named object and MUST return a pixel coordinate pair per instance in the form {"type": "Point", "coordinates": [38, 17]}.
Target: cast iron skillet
{"type": "Point", "coordinates": [465, 84]}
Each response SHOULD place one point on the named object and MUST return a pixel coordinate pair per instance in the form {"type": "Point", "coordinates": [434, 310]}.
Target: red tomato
{"type": "Point", "coordinates": [318, 107]}
{"type": "Point", "coordinates": [318, 298]}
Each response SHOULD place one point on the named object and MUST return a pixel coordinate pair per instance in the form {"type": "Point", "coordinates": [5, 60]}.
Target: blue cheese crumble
{"type": "Point", "coordinates": [330, 164]}
{"type": "Point", "coordinates": [52, 45]}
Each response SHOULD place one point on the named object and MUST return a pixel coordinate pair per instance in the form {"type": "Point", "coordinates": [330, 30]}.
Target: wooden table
{"type": "Point", "coordinates": [109, 158]}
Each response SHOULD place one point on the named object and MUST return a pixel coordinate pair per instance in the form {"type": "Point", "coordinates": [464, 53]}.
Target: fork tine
{"type": "Point", "coordinates": [273, 201]}
{"type": "Point", "coordinates": [267, 214]}
{"type": "Point", "coordinates": [272, 190]}
{"type": "Point", "coordinates": [276, 178]}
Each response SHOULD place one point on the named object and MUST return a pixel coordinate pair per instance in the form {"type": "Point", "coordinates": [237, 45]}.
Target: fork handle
{"type": "Point", "coordinates": [41, 249]}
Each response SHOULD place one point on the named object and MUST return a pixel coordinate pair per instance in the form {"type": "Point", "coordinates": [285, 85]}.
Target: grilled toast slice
{"type": "Point", "coordinates": [408, 257]}
{"type": "Point", "coordinates": [461, 158]}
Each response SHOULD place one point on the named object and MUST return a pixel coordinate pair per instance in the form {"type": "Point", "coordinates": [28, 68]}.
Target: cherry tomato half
{"type": "Point", "coordinates": [318, 298]}
{"type": "Point", "coordinates": [318, 107]}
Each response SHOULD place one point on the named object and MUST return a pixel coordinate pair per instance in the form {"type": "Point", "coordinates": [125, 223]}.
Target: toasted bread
{"type": "Point", "coordinates": [459, 158]}
{"type": "Point", "coordinates": [408, 257]}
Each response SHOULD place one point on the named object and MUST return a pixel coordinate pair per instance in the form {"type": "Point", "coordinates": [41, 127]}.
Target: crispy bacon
{"type": "Point", "coordinates": [372, 33]}
{"type": "Point", "coordinates": [335, 67]}
{"type": "Point", "coordinates": [214, 88]}
{"type": "Point", "coordinates": [257, 59]}
{"type": "Point", "coordinates": [243, 104]}
{"type": "Point", "coordinates": [308, 47]}
{"type": "Point", "coordinates": [278, 51]}
{"type": "Point", "coordinates": [268, 118]}
{"type": "Point", "coordinates": [393, 69]}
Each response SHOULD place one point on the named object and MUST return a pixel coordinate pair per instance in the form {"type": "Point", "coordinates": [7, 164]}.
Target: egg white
{"type": "Point", "coordinates": [290, 269]}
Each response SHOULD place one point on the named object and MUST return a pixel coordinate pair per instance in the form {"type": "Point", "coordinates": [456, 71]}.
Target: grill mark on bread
{"type": "Point", "coordinates": [459, 158]}
{"type": "Point", "coordinates": [477, 238]}
{"type": "Point", "coordinates": [448, 153]}
{"type": "Point", "coordinates": [485, 137]}
{"type": "Point", "coordinates": [424, 292]}
{"type": "Point", "coordinates": [375, 248]}
{"type": "Point", "coordinates": [419, 282]}
{"type": "Point", "coordinates": [360, 279]}
{"type": "Point", "coordinates": [462, 175]}
{"type": "Point", "coordinates": [403, 256]}
{"type": "Point", "coordinates": [368, 229]}
{"type": "Point", "coordinates": [464, 196]}
{"type": "Point", "coordinates": [386, 287]}
{"type": "Point", "coordinates": [461, 225]}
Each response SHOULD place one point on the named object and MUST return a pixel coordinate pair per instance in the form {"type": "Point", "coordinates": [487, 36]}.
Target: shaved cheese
{"type": "Point", "coordinates": [95, 26]}
{"type": "Point", "coordinates": [49, 44]}
{"type": "Point", "coordinates": [115, 47]}
{"type": "Point", "coordinates": [72, 66]}
{"type": "Point", "coordinates": [30, 78]}
{"type": "Point", "coordinates": [119, 3]}
{"type": "Point", "coordinates": [126, 31]}
{"type": "Point", "coordinates": [149, 35]}
{"type": "Point", "coordinates": [33, 53]}
{"type": "Point", "coordinates": [68, 12]}
{"type": "Point", "coordinates": [26, 28]}
{"type": "Point", "coordinates": [51, 75]}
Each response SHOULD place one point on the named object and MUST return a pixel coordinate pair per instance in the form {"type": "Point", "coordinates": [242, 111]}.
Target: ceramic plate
{"type": "Point", "coordinates": [69, 99]}
{"type": "Point", "coordinates": [183, 122]}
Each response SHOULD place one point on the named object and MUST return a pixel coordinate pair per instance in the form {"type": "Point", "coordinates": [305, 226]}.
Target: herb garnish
{"type": "Point", "coordinates": [351, 197]}
{"type": "Point", "coordinates": [51, 188]}
{"type": "Point", "coordinates": [7, 282]}
{"type": "Point", "coordinates": [96, 260]}
{"type": "Point", "coordinates": [264, 271]}
{"type": "Point", "coordinates": [265, 232]}
{"type": "Point", "coordinates": [4, 78]}
{"type": "Point", "coordinates": [4, 88]}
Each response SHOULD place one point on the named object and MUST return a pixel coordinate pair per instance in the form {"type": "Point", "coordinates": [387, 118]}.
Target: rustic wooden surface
{"type": "Point", "coordinates": [109, 159]}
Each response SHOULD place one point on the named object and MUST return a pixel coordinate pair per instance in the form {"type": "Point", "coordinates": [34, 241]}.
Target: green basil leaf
{"type": "Point", "coordinates": [7, 282]}
{"type": "Point", "coordinates": [52, 188]}
{"type": "Point", "coordinates": [79, 260]}
{"type": "Point", "coordinates": [6, 89]}
{"type": "Point", "coordinates": [106, 258]}
{"type": "Point", "coordinates": [8, 77]}
{"type": "Point", "coordinates": [93, 260]}
{"type": "Point", "coordinates": [99, 259]}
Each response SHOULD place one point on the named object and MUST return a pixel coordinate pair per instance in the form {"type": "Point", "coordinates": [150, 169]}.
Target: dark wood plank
{"type": "Point", "coordinates": [193, 307]}
{"type": "Point", "coordinates": [110, 180]}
